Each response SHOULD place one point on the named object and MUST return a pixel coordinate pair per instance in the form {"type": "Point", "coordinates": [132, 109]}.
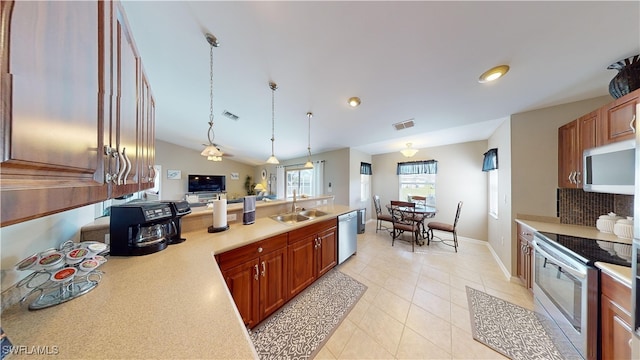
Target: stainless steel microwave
{"type": "Point", "coordinates": [610, 168]}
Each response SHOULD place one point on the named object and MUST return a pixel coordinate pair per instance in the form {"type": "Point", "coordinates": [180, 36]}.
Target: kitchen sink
{"type": "Point", "coordinates": [290, 218]}
{"type": "Point", "coordinates": [312, 213]}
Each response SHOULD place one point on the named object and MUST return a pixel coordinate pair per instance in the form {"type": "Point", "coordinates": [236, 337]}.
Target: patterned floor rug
{"type": "Point", "coordinates": [300, 328]}
{"type": "Point", "coordinates": [509, 329]}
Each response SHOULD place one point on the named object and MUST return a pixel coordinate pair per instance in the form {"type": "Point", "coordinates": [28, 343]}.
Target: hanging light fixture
{"type": "Point", "coordinates": [409, 151]}
{"type": "Point", "coordinates": [272, 159]}
{"type": "Point", "coordinates": [211, 151]}
{"type": "Point", "coordinates": [309, 164]}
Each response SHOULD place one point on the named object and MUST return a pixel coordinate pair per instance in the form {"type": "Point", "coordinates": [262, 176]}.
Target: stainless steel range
{"type": "Point", "coordinates": [566, 289]}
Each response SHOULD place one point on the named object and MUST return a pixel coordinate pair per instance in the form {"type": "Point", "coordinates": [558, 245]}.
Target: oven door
{"type": "Point", "coordinates": [560, 288]}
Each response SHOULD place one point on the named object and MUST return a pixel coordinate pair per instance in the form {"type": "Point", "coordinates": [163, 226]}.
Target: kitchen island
{"type": "Point", "coordinates": [169, 304]}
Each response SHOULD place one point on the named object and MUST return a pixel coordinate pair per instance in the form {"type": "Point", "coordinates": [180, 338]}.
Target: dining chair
{"type": "Point", "coordinates": [403, 219]}
{"type": "Point", "coordinates": [434, 225]}
{"type": "Point", "coordinates": [380, 217]}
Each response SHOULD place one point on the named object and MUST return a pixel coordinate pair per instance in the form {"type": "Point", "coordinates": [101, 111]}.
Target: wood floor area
{"type": "Point", "coordinates": [416, 306]}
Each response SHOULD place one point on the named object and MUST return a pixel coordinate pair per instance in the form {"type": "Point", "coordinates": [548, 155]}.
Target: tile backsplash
{"type": "Point", "coordinates": [579, 207]}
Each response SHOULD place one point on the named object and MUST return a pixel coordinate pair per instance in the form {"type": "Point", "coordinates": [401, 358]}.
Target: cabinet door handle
{"type": "Point", "coordinates": [122, 167]}
{"type": "Point", "coordinates": [577, 177]}
{"type": "Point", "coordinates": [569, 178]}
{"type": "Point", "coordinates": [126, 174]}
{"type": "Point", "coordinates": [152, 173]}
{"type": "Point", "coordinates": [112, 153]}
{"type": "Point", "coordinates": [633, 119]}
{"type": "Point", "coordinates": [255, 267]}
{"type": "Point", "coordinates": [264, 269]}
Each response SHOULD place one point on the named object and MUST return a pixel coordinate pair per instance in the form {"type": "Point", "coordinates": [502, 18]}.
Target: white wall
{"type": "Point", "coordinates": [500, 228]}
{"type": "Point", "coordinates": [460, 178]}
{"type": "Point", "coordinates": [355, 158]}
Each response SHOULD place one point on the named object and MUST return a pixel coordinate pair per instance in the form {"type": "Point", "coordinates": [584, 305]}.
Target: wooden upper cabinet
{"type": "Point", "coordinates": [573, 138]}
{"type": "Point", "coordinates": [146, 150]}
{"type": "Point", "coordinates": [567, 155]}
{"type": "Point", "coordinates": [588, 132]}
{"type": "Point", "coordinates": [620, 119]}
{"type": "Point", "coordinates": [53, 107]}
{"type": "Point", "coordinates": [77, 116]}
{"type": "Point", "coordinates": [126, 122]}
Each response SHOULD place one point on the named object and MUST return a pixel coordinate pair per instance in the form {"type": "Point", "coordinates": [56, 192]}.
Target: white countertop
{"type": "Point", "coordinates": [169, 304]}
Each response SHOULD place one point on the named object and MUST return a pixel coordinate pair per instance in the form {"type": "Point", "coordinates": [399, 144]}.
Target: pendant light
{"type": "Point", "coordinates": [272, 159]}
{"type": "Point", "coordinates": [211, 151]}
{"type": "Point", "coordinates": [309, 164]}
{"type": "Point", "coordinates": [409, 151]}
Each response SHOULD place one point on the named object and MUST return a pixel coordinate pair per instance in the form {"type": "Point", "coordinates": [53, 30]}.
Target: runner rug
{"type": "Point", "coordinates": [300, 328]}
{"type": "Point", "coordinates": [509, 329]}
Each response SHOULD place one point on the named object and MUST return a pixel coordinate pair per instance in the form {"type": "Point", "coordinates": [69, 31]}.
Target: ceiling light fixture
{"type": "Point", "coordinates": [354, 101]}
{"type": "Point", "coordinates": [493, 74]}
{"type": "Point", "coordinates": [409, 151]}
{"type": "Point", "coordinates": [211, 151]}
{"type": "Point", "coordinates": [272, 159]}
{"type": "Point", "coordinates": [309, 164]}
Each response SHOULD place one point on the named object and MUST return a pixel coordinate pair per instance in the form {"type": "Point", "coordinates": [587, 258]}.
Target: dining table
{"type": "Point", "coordinates": [425, 212]}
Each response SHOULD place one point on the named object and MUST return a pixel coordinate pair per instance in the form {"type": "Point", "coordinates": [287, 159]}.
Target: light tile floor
{"type": "Point", "coordinates": [416, 306]}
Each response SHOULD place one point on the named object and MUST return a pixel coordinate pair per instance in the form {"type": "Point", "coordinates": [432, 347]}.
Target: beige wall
{"type": "Point", "coordinates": [189, 161]}
{"type": "Point", "coordinates": [459, 178]}
{"type": "Point", "coordinates": [500, 228]}
{"type": "Point", "coordinates": [534, 158]}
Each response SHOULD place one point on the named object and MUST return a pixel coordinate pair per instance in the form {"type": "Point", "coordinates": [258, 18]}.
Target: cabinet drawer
{"type": "Point", "coordinates": [616, 291]}
{"type": "Point", "coordinates": [311, 230]}
{"type": "Point", "coordinates": [246, 253]}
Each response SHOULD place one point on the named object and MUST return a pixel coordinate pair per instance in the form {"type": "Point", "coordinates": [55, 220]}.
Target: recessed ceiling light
{"type": "Point", "coordinates": [493, 73]}
{"type": "Point", "coordinates": [354, 101]}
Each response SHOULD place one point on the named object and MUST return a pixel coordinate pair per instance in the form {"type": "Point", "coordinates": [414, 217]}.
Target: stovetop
{"type": "Point", "coordinates": [590, 251]}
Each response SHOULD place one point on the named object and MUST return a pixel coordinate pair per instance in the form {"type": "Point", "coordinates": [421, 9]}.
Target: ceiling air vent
{"type": "Point", "coordinates": [231, 116]}
{"type": "Point", "coordinates": [403, 124]}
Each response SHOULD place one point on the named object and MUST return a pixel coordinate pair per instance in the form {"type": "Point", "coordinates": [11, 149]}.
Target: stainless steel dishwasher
{"type": "Point", "coordinates": [347, 235]}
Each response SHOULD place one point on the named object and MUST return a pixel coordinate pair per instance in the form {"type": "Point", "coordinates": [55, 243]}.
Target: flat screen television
{"type": "Point", "coordinates": [210, 183]}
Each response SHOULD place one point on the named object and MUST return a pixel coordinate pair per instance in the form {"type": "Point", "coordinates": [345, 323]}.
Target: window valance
{"type": "Point", "coordinates": [417, 167]}
{"type": "Point", "coordinates": [365, 169]}
{"type": "Point", "coordinates": [490, 160]}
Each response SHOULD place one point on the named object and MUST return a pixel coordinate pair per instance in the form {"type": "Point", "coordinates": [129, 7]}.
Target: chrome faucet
{"type": "Point", "coordinates": [293, 205]}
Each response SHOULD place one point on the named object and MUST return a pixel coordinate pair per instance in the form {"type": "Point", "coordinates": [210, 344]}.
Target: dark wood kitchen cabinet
{"type": "Point", "coordinates": [54, 106]}
{"type": "Point", "coordinates": [568, 155]}
{"type": "Point", "coordinates": [620, 119]}
{"type": "Point", "coordinates": [573, 139]}
{"type": "Point", "coordinates": [615, 318]}
{"type": "Point", "coordinates": [525, 238]}
{"type": "Point", "coordinates": [148, 135]}
{"type": "Point", "coordinates": [312, 251]}
{"type": "Point", "coordinates": [256, 277]}
{"type": "Point", "coordinates": [71, 90]}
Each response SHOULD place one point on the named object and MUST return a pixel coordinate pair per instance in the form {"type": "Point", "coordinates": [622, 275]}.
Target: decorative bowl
{"type": "Point", "coordinates": [623, 230]}
{"type": "Point", "coordinates": [605, 225]}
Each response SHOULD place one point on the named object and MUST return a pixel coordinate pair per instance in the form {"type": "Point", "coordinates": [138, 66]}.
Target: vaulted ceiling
{"type": "Point", "coordinates": [415, 60]}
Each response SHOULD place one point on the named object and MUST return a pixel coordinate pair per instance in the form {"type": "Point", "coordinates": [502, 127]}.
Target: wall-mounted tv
{"type": "Point", "coordinates": [211, 183]}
